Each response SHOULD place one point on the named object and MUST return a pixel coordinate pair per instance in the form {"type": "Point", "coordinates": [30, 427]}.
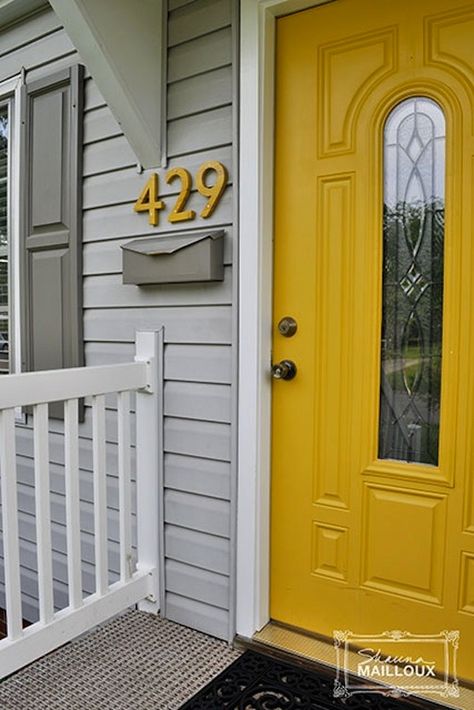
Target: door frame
{"type": "Point", "coordinates": [256, 116]}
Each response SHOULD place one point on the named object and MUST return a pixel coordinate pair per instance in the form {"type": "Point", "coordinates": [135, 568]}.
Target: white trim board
{"type": "Point", "coordinates": [257, 44]}
{"type": "Point", "coordinates": [10, 92]}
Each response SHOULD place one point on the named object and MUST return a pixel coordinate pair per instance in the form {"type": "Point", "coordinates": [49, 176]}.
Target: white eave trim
{"type": "Point", "coordinates": [122, 45]}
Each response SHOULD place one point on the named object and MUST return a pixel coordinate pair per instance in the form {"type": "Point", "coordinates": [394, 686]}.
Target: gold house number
{"type": "Point", "coordinates": [150, 202]}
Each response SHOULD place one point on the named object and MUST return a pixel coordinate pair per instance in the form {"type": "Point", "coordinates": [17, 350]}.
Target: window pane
{"type": "Point", "coordinates": [4, 247]}
{"type": "Point", "coordinates": [413, 236]}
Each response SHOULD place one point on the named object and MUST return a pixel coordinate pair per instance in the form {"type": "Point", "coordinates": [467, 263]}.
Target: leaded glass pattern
{"type": "Point", "coordinates": [412, 310]}
{"type": "Point", "coordinates": [4, 246]}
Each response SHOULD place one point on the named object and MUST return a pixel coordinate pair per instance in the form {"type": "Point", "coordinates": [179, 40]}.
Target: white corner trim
{"type": "Point", "coordinates": [15, 207]}
{"type": "Point", "coordinates": [11, 91]}
{"type": "Point", "coordinates": [257, 33]}
{"type": "Point", "coordinates": [252, 579]}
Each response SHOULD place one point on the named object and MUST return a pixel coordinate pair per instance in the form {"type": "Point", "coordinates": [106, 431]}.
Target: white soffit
{"type": "Point", "coordinates": [121, 42]}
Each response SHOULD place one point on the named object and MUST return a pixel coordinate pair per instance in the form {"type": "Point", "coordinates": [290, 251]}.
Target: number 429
{"type": "Point", "coordinates": [150, 202]}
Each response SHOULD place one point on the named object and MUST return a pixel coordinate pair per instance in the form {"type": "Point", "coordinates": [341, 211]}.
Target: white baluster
{"type": "Point", "coordinates": [100, 493]}
{"type": "Point", "coordinates": [125, 488]}
{"type": "Point", "coordinates": [43, 515]}
{"type": "Point", "coordinates": [10, 523]}
{"type": "Point", "coordinates": [71, 448]}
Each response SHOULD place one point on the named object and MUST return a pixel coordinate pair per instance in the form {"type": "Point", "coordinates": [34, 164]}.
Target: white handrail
{"type": "Point", "coordinates": [58, 385]}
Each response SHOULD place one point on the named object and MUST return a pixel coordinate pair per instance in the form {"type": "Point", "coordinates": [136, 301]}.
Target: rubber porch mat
{"type": "Point", "coordinates": [259, 682]}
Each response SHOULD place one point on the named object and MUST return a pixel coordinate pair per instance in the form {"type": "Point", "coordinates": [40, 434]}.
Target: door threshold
{"type": "Point", "coordinates": [310, 649]}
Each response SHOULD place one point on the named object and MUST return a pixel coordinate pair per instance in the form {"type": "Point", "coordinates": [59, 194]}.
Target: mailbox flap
{"type": "Point", "coordinates": [154, 246]}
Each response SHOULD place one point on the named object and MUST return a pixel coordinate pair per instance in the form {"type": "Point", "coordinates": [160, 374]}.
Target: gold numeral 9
{"type": "Point", "coordinates": [213, 192]}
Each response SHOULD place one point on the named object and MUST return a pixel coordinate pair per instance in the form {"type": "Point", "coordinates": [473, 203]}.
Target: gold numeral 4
{"type": "Point", "coordinates": [149, 202]}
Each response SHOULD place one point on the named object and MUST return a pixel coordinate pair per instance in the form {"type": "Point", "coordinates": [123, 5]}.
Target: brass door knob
{"type": "Point", "coordinates": [284, 370]}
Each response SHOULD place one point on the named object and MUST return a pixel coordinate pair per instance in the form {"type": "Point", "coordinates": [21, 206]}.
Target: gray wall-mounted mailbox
{"type": "Point", "coordinates": [178, 258]}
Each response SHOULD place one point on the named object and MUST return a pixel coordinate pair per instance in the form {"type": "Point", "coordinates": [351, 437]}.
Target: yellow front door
{"type": "Point", "coordinates": [373, 440]}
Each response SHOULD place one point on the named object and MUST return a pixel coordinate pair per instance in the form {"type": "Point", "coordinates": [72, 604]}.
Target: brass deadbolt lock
{"type": "Point", "coordinates": [287, 326]}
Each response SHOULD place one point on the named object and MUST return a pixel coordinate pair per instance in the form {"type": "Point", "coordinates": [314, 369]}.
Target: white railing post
{"type": "Point", "coordinates": [149, 457]}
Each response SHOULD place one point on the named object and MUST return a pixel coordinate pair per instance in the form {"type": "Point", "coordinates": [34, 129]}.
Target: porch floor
{"type": "Point", "coordinates": [136, 661]}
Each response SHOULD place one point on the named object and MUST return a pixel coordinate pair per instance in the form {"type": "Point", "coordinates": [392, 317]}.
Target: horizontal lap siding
{"type": "Point", "coordinates": [198, 458]}
{"type": "Point", "coordinates": [200, 56]}
{"type": "Point", "coordinates": [194, 324]}
{"type": "Point", "coordinates": [108, 290]}
{"type": "Point", "coordinates": [198, 320]}
{"type": "Point", "coordinates": [200, 93]}
{"type": "Point", "coordinates": [191, 363]}
{"type": "Point", "coordinates": [40, 46]}
{"type": "Point", "coordinates": [198, 18]}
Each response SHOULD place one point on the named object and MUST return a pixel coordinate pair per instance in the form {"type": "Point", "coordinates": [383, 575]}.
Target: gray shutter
{"type": "Point", "coordinates": [51, 270]}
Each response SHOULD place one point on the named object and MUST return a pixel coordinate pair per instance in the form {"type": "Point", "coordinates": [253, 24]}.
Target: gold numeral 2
{"type": "Point", "coordinates": [178, 214]}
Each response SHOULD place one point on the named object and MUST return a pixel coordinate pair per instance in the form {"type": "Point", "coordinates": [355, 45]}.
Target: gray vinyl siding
{"type": "Point", "coordinates": [199, 319]}
{"type": "Point", "coordinates": [199, 466]}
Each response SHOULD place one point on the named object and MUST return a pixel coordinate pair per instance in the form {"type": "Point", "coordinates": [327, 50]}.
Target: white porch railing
{"type": "Point", "coordinates": [144, 376]}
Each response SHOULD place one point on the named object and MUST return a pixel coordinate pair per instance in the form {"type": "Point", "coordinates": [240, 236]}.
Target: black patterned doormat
{"type": "Point", "coordinates": [259, 682]}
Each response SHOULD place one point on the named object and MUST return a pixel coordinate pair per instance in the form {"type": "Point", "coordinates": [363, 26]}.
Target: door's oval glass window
{"type": "Point", "coordinates": [412, 305]}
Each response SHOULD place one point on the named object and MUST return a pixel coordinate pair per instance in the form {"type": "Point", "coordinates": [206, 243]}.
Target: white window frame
{"type": "Point", "coordinates": [257, 70]}
{"type": "Point", "coordinates": [11, 94]}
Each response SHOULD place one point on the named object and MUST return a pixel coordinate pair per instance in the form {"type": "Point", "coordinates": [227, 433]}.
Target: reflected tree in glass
{"type": "Point", "coordinates": [413, 236]}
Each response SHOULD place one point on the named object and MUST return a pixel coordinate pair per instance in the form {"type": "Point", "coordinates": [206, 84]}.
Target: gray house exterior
{"type": "Point", "coordinates": [199, 319]}
{"type": "Point", "coordinates": [134, 133]}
